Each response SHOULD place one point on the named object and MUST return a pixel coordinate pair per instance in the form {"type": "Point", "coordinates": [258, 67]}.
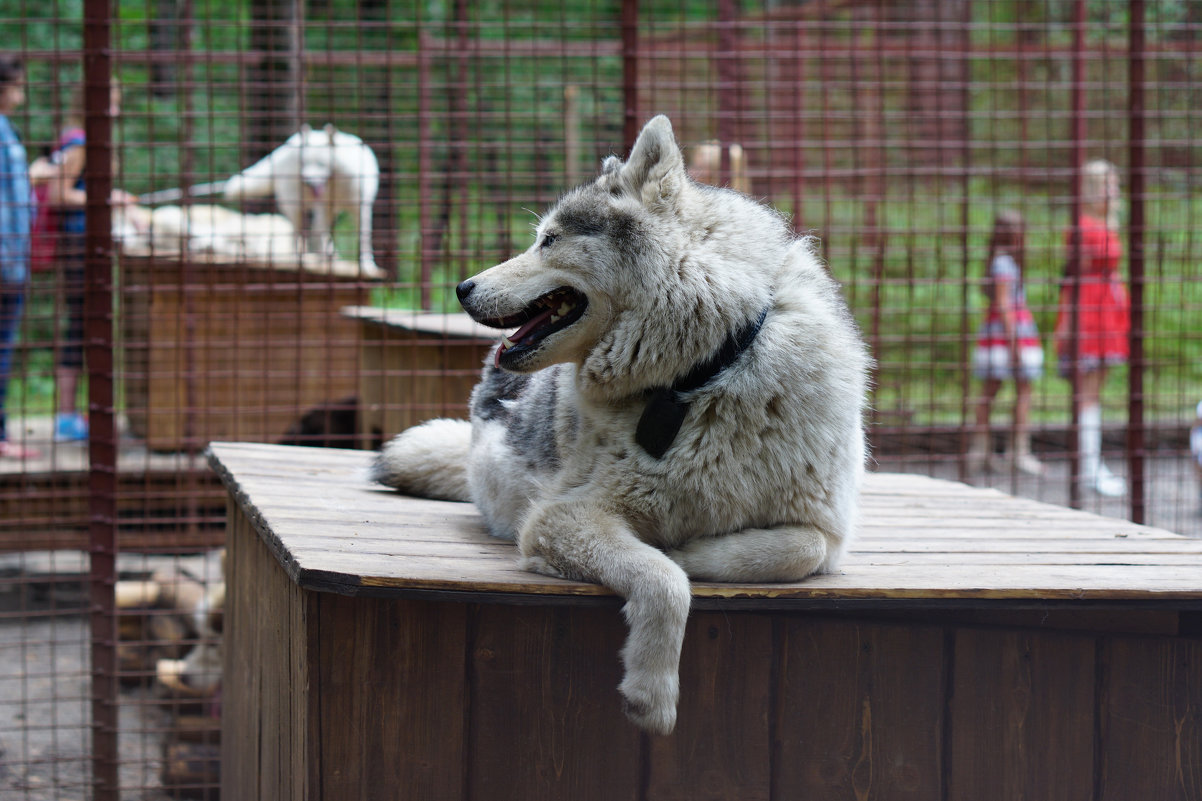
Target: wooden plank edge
{"type": "Point", "coordinates": [242, 500]}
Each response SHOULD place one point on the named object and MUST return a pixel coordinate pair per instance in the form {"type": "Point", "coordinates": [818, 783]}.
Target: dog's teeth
{"type": "Point", "coordinates": [564, 308]}
{"type": "Point", "coordinates": [555, 318]}
{"type": "Point", "coordinates": [506, 342]}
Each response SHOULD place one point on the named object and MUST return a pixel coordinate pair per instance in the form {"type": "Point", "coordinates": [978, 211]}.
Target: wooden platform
{"type": "Point", "coordinates": [415, 366]}
{"type": "Point", "coordinates": [168, 503]}
{"type": "Point", "coordinates": [974, 645]}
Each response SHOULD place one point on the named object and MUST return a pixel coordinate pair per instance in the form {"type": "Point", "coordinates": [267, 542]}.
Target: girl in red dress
{"type": "Point", "coordinates": [1103, 316]}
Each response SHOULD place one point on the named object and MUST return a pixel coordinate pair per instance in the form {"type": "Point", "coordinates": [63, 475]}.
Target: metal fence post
{"type": "Point", "coordinates": [1135, 262]}
{"type": "Point", "coordinates": [98, 349]}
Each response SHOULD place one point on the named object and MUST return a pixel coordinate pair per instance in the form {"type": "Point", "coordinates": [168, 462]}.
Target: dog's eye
{"type": "Point", "coordinates": [548, 240]}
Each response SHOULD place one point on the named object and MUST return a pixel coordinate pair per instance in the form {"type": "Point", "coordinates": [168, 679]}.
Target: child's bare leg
{"type": "Point", "coordinates": [1021, 435]}
{"type": "Point", "coordinates": [979, 444]}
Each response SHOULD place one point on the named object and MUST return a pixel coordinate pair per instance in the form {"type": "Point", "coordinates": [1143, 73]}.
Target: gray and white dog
{"type": "Point", "coordinates": [683, 398]}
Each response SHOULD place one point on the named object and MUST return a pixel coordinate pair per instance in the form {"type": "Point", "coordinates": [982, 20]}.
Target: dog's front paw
{"type": "Point", "coordinates": [650, 701]}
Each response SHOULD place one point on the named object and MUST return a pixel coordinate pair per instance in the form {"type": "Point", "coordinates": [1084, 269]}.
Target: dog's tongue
{"type": "Point", "coordinates": [517, 336]}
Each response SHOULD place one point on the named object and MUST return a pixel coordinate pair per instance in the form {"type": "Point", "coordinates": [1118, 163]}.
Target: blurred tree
{"type": "Point", "coordinates": [273, 88]}
{"type": "Point", "coordinates": [165, 40]}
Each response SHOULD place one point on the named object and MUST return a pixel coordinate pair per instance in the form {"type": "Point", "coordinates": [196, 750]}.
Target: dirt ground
{"type": "Point", "coordinates": [44, 678]}
{"type": "Point", "coordinates": [45, 712]}
{"type": "Point", "coordinates": [45, 686]}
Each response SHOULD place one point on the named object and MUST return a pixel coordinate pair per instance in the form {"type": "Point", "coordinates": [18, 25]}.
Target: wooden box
{"type": "Point", "coordinates": [973, 646]}
{"type": "Point", "coordinates": [415, 366]}
{"type": "Point", "coordinates": [220, 350]}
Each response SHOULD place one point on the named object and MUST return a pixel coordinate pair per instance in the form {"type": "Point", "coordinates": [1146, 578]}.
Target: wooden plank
{"type": "Point", "coordinates": [392, 711]}
{"type": "Point", "coordinates": [1041, 618]}
{"type": "Point", "coordinates": [413, 539]}
{"type": "Point", "coordinates": [265, 727]}
{"type": "Point", "coordinates": [721, 746]}
{"type": "Point", "coordinates": [242, 660]}
{"type": "Point", "coordinates": [546, 719]}
{"type": "Point", "coordinates": [1022, 716]}
{"type": "Point", "coordinates": [458, 325]}
{"type": "Point", "coordinates": [1101, 548]}
{"type": "Point", "coordinates": [301, 762]}
{"type": "Point", "coordinates": [859, 711]}
{"type": "Point", "coordinates": [1066, 582]}
{"type": "Point", "coordinates": [48, 508]}
{"type": "Point", "coordinates": [1152, 720]}
{"type": "Point", "coordinates": [428, 536]}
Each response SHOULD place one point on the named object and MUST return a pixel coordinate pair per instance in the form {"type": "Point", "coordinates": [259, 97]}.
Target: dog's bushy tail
{"type": "Point", "coordinates": [429, 460]}
{"type": "Point", "coordinates": [253, 182]}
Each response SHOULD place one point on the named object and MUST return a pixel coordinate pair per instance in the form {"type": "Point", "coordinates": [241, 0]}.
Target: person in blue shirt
{"type": "Point", "coordinates": [16, 215]}
{"type": "Point", "coordinates": [68, 195]}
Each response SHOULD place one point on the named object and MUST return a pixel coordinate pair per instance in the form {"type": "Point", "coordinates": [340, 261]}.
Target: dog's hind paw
{"type": "Point", "coordinates": [650, 707]}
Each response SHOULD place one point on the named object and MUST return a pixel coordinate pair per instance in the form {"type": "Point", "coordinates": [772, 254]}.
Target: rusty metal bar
{"type": "Point", "coordinates": [102, 444]}
{"type": "Point", "coordinates": [542, 48]}
{"type": "Point", "coordinates": [425, 168]}
{"type": "Point", "coordinates": [1073, 270]}
{"type": "Point", "coordinates": [729, 85]}
{"type": "Point", "coordinates": [1138, 190]}
{"type": "Point", "coordinates": [967, 401]}
{"type": "Point", "coordinates": [630, 73]}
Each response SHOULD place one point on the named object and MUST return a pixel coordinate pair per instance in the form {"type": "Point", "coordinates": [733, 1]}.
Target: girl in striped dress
{"type": "Point", "coordinates": [1008, 349]}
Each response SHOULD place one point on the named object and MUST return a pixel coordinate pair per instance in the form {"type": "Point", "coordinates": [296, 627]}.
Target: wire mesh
{"type": "Point", "coordinates": [894, 133]}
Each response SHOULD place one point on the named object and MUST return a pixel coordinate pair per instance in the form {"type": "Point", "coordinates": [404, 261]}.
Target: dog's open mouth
{"type": "Point", "coordinates": [552, 312]}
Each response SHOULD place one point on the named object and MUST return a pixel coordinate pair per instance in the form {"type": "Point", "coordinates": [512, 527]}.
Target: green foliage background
{"type": "Point", "coordinates": [913, 284]}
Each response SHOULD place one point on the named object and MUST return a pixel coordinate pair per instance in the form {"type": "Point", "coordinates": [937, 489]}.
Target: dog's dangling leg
{"type": "Point", "coordinates": [583, 542]}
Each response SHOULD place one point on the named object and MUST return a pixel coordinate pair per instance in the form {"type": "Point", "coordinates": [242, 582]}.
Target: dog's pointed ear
{"type": "Point", "coordinates": [330, 131]}
{"type": "Point", "coordinates": [611, 165]}
{"type": "Point", "coordinates": [306, 128]}
{"type": "Point", "coordinates": [655, 169]}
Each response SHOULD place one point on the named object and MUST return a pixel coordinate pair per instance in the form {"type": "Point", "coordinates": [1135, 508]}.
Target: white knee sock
{"type": "Point", "coordinates": [1094, 472]}
{"type": "Point", "coordinates": [1090, 442]}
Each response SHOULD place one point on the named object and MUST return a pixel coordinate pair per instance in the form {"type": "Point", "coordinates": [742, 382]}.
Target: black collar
{"type": "Point", "coordinates": [665, 411]}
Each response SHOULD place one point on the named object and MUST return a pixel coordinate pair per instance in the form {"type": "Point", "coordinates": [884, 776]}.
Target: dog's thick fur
{"type": "Point", "coordinates": [762, 480]}
{"type": "Point", "coordinates": [315, 176]}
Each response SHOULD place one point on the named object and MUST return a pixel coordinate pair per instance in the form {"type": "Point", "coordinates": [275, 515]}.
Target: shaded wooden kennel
{"type": "Point", "coordinates": [415, 366]}
{"type": "Point", "coordinates": [974, 645]}
{"type": "Point", "coordinates": [218, 349]}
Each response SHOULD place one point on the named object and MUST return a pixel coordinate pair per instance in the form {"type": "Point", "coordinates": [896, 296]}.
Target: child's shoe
{"type": "Point", "coordinates": [70, 428]}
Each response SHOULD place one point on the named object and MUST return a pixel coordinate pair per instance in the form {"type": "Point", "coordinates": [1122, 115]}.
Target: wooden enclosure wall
{"type": "Point", "coordinates": [330, 696]}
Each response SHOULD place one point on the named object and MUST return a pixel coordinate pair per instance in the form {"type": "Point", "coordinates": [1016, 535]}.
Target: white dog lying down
{"type": "Point", "coordinates": [315, 176]}
{"type": "Point", "coordinates": [683, 398]}
{"type": "Point", "coordinates": [207, 229]}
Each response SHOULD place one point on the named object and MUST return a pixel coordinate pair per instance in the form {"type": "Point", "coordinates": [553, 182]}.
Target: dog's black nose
{"type": "Point", "coordinates": [465, 289]}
